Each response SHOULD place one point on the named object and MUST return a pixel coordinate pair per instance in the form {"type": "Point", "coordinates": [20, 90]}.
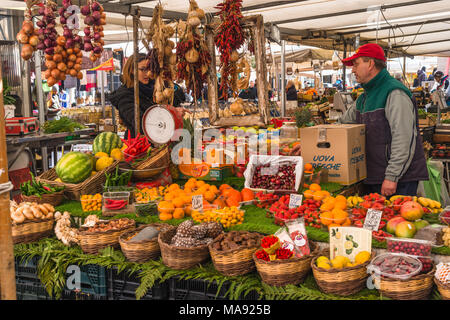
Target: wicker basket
{"type": "Point", "coordinates": [54, 198]}
{"type": "Point", "coordinates": [157, 160]}
{"type": "Point", "coordinates": [32, 230]}
{"type": "Point", "coordinates": [93, 242]}
{"type": "Point", "coordinates": [91, 185]}
{"type": "Point", "coordinates": [144, 250]}
{"type": "Point", "coordinates": [342, 282]}
{"type": "Point", "coordinates": [180, 258]}
{"type": "Point", "coordinates": [233, 262]}
{"type": "Point", "coordinates": [415, 288]}
{"type": "Point", "coordinates": [444, 289]}
{"type": "Point", "coordinates": [284, 272]}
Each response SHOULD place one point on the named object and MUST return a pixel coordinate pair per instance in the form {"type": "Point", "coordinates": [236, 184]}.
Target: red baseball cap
{"type": "Point", "coordinates": [371, 50]}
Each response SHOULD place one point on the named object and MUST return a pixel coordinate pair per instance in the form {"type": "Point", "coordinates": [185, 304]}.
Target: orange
{"type": "Point", "coordinates": [192, 180]}
{"type": "Point", "coordinates": [340, 205]}
{"type": "Point", "coordinates": [326, 194]}
{"type": "Point", "coordinates": [308, 167]}
{"type": "Point", "coordinates": [178, 213]}
{"type": "Point", "coordinates": [318, 196]}
{"type": "Point", "coordinates": [187, 189]}
{"type": "Point", "coordinates": [166, 207]}
{"type": "Point", "coordinates": [347, 222]}
{"type": "Point", "coordinates": [224, 186]}
{"type": "Point", "coordinates": [187, 199]}
{"type": "Point", "coordinates": [341, 198]}
{"type": "Point", "coordinates": [314, 187]}
{"type": "Point", "coordinates": [200, 183]}
{"type": "Point", "coordinates": [339, 216]}
{"type": "Point", "coordinates": [327, 206]}
{"type": "Point", "coordinates": [214, 189]}
{"type": "Point", "coordinates": [209, 196]}
{"type": "Point", "coordinates": [326, 218]}
{"type": "Point", "coordinates": [308, 194]}
{"type": "Point", "coordinates": [188, 210]}
{"type": "Point", "coordinates": [178, 202]}
{"type": "Point", "coordinates": [174, 187]}
{"type": "Point", "coordinates": [169, 196]}
{"type": "Point", "coordinates": [190, 185]}
{"type": "Point", "coordinates": [165, 216]}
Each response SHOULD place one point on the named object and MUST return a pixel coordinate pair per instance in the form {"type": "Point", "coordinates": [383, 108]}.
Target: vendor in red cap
{"type": "Point", "coordinates": [394, 154]}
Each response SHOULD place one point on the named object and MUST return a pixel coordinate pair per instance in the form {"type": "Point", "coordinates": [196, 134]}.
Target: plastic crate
{"type": "Point", "coordinates": [26, 270]}
{"type": "Point", "coordinates": [93, 280]}
{"type": "Point", "coordinates": [74, 295]}
{"type": "Point", "coordinates": [198, 289]}
{"type": "Point", "coordinates": [31, 290]}
{"type": "Point", "coordinates": [122, 286]}
{"type": "Point", "coordinates": [427, 133]}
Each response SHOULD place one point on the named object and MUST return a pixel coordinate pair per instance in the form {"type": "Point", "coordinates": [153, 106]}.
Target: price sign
{"type": "Point", "coordinates": [373, 218]}
{"type": "Point", "coordinates": [82, 147]}
{"type": "Point", "coordinates": [295, 200]}
{"type": "Point", "coordinates": [197, 202]}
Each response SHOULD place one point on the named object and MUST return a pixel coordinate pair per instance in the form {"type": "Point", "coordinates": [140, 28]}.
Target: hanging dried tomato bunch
{"type": "Point", "coordinates": [229, 38]}
{"type": "Point", "coordinates": [193, 58]}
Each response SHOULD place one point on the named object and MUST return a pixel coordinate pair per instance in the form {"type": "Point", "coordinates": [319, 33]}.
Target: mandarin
{"type": "Point", "coordinates": [314, 187]}
{"type": "Point", "coordinates": [326, 218]}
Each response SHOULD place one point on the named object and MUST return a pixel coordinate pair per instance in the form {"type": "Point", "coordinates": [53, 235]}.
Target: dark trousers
{"type": "Point", "coordinates": [403, 188]}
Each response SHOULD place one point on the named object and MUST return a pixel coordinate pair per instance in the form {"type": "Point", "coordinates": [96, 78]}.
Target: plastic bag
{"type": "Point", "coordinates": [297, 233]}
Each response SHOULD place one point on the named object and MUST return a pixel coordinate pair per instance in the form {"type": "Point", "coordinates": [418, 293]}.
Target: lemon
{"type": "Point", "coordinates": [362, 257]}
{"type": "Point", "coordinates": [324, 265]}
{"type": "Point", "coordinates": [339, 262]}
{"type": "Point", "coordinates": [101, 154]}
{"type": "Point", "coordinates": [322, 259]}
{"type": "Point", "coordinates": [117, 154]}
{"type": "Point", "coordinates": [103, 163]}
{"type": "Point", "coordinates": [58, 180]}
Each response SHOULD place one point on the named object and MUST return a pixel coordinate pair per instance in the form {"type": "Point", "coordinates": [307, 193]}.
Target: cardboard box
{"type": "Point", "coordinates": [339, 148]}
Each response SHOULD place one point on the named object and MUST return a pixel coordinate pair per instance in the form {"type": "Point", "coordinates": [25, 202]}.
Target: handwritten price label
{"type": "Point", "coordinates": [295, 200]}
{"type": "Point", "coordinates": [372, 221]}
{"type": "Point", "coordinates": [197, 202]}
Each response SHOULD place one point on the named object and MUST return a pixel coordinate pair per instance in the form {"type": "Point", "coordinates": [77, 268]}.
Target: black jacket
{"type": "Point", "coordinates": [291, 94]}
{"type": "Point", "coordinates": [123, 100]}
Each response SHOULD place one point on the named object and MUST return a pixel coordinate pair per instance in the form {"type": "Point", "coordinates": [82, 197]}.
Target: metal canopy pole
{"type": "Point", "coordinates": [102, 91]}
{"type": "Point", "coordinates": [137, 113]}
{"type": "Point", "coordinates": [40, 98]}
{"type": "Point", "coordinates": [344, 69]}
{"type": "Point", "coordinates": [283, 78]}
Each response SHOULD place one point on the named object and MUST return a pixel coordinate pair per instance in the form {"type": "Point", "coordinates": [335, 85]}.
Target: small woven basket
{"type": "Point", "coordinates": [342, 282]}
{"type": "Point", "coordinates": [91, 185]}
{"type": "Point", "coordinates": [180, 258]}
{"type": "Point", "coordinates": [144, 250]}
{"type": "Point", "coordinates": [93, 242]}
{"type": "Point", "coordinates": [234, 262]}
{"type": "Point", "coordinates": [31, 230]}
{"type": "Point", "coordinates": [284, 272]}
{"type": "Point", "coordinates": [444, 289]}
{"type": "Point", "coordinates": [54, 199]}
{"type": "Point", "coordinates": [415, 288]}
{"type": "Point", "coordinates": [156, 161]}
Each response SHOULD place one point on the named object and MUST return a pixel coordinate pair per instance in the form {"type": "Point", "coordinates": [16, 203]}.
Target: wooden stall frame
{"type": "Point", "coordinates": [256, 25]}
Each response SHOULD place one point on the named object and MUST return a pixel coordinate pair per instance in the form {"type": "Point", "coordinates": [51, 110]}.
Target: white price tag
{"type": "Point", "coordinates": [197, 202]}
{"type": "Point", "coordinates": [295, 200]}
{"type": "Point", "coordinates": [373, 218]}
{"type": "Point", "coordinates": [82, 147]}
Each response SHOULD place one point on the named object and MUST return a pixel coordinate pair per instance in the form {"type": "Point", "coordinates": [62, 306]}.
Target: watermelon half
{"type": "Point", "coordinates": [105, 142]}
{"type": "Point", "coordinates": [74, 167]}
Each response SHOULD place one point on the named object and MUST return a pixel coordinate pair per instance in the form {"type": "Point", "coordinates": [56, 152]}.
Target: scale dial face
{"type": "Point", "coordinates": [158, 124]}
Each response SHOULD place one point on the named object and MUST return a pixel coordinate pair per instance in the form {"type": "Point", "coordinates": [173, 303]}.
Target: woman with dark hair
{"type": "Point", "coordinates": [123, 98]}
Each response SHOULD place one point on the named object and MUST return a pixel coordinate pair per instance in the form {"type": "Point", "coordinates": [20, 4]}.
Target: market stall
{"type": "Point", "coordinates": [150, 217]}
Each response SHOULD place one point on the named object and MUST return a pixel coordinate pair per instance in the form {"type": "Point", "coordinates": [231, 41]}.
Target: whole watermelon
{"type": "Point", "coordinates": [74, 167]}
{"type": "Point", "coordinates": [105, 142]}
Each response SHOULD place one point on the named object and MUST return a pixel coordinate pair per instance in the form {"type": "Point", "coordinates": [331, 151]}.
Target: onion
{"type": "Point", "coordinates": [77, 38]}
{"type": "Point", "coordinates": [49, 50]}
{"type": "Point", "coordinates": [67, 33]}
{"type": "Point", "coordinates": [102, 22]}
{"type": "Point", "coordinates": [96, 15]}
{"type": "Point", "coordinates": [87, 46]}
{"type": "Point", "coordinates": [40, 46]}
{"type": "Point", "coordinates": [27, 51]}
{"type": "Point", "coordinates": [61, 11]}
{"type": "Point", "coordinates": [22, 37]}
{"type": "Point", "coordinates": [40, 24]}
{"type": "Point", "coordinates": [87, 31]}
{"type": "Point", "coordinates": [89, 20]}
{"type": "Point", "coordinates": [34, 40]}
{"type": "Point", "coordinates": [85, 10]}
{"type": "Point", "coordinates": [66, 6]}
{"type": "Point", "coordinates": [62, 20]}
{"type": "Point", "coordinates": [41, 11]}
{"type": "Point", "coordinates": [48, 43]}
{"type": "Point", "coordinates": [97, 36]}
{"type": "Point", "coordinates": [27, 27]}
{"type": "Point", "coordinates": [70, 42]}
{"type": "Point", "coordinates": [96, 6]}
{"type": "Point", "coordinates": [48, 11]}
{"type": "Point", "coordinates": [98, 49]}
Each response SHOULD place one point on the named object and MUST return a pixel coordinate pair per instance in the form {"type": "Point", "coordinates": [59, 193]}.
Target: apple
{"type": "Point", "coordinates": [405, 229]}
{"type": "Point", "coordinates": [419, 224]}
{"type": "Point", "coordinates": [393, 223]}
{"type": "Point", "coordinates": [411, 210]}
